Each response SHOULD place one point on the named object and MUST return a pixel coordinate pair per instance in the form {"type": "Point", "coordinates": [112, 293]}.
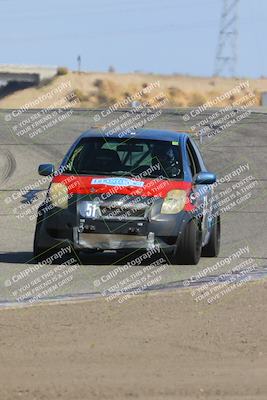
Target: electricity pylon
{"type": "Point", "coordinates": [226, 54]}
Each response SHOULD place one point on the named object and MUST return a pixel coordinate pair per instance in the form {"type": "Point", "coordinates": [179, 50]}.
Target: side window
{"type": "Point", "coordinates": [193, 159]}
{"type": "Point", "coordinates": [198, 155]}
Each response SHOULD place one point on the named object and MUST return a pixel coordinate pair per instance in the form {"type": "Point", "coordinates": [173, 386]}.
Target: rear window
{"type": "Point", "coordinates": [134, 157]}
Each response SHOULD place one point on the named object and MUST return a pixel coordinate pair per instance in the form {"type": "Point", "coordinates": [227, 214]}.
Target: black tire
{"type": "Point", "coordinates": [212, 248]}
{"type": "Point", "coordinates": [39, 253]}
{"type": "Point", "coordinates": [36, 249]}
{"type": "Point", "coordinates": [189, 247]}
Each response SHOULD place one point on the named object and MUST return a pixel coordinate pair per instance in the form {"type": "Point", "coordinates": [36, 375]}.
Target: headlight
{"type": "Point", "coordinates": [58, 194]}
{"type": "Point", "coordinates": [174, 202]}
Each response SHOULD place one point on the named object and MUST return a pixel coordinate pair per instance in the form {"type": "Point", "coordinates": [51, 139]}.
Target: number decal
{"type": "Point", "coordinates": [90, 211]}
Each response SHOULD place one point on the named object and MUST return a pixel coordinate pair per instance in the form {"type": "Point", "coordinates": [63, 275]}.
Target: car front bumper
{"type": "Point", "coordinates": [155, 230]}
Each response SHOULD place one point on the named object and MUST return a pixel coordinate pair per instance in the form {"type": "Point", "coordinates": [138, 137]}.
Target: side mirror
{"type": "Point", "coordinates": [46, 169]}
{"type": "Point", "coordinates": [204, 178]}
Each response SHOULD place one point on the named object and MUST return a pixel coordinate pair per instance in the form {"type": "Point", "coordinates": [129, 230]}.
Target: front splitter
{"type": "Point", "coordinates": [114, 242]}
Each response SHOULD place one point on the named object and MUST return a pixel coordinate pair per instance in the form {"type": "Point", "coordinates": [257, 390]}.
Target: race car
{"type": "Point", "coordinates": [141, 189]}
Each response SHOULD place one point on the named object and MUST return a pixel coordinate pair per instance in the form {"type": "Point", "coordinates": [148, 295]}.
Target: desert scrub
{"type": "Point", "coordinates": [176, 97]}
{"type": "Point", "coordinates": [196, 99]}
{"type": "Point", "coordinates": [62, 71]}
{"type": "Point", "coordinates": [80, 95]}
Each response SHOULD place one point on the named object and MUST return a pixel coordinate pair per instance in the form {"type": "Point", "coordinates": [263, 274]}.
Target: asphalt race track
{"type": "Point", "coordinates": [243, 225]}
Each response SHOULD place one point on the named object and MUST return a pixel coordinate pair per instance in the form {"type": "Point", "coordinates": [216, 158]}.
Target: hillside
{"type": "Point", "coordinates": [102, 89]}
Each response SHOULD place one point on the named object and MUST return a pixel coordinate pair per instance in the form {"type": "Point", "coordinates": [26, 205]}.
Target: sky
{"type": "Point", "coordinates": [159, 36]}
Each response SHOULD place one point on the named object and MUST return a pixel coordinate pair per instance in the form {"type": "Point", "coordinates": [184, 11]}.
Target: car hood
{"type": "Point", "coordinates": [156, 187]}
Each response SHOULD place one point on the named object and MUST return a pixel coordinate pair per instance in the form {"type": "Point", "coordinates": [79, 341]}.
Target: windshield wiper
{"type": "Point", "coordinates": [100, 173]}
{"type": "Point", "coordinates": [127, 173]}
{"type": "Point", "coordinates": [163, 177]}
{"type": "Point", "coordinates": [121, 174]}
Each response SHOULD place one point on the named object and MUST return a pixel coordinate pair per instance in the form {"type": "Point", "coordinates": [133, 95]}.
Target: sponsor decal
{"type": "Point", "coordinates": [117, 182]}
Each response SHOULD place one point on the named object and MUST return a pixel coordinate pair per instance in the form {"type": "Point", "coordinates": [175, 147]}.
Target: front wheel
{"type": "Point", "coordinates": [38, 252]}
{"type": "Point", "coordinates": [212, 248]}
{"type": "Point", "coordinates": [188, 250]}
{"type": "Point", "coordinates": [53, 253]}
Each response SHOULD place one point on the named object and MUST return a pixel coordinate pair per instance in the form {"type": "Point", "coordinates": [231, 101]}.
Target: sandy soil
{"type": "Point", "coordinates": [155, 346]}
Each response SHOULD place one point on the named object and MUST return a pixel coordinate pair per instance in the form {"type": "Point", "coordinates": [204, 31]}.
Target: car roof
{"type": "Point", "coordinates": [154, 134]}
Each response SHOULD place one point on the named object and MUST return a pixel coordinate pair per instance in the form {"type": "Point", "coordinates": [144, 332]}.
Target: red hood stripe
{"type": "Point", "coordinates": [152, 187]}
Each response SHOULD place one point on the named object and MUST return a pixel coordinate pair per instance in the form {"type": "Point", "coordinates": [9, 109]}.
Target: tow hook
{"type": "Point", "coordinates": [151, 240]}
{"type": "Point", "coordinates": [81, 226]}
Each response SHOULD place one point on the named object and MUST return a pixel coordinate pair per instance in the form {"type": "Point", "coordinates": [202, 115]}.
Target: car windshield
{"type": "Point", "coordinates": [131, 157]}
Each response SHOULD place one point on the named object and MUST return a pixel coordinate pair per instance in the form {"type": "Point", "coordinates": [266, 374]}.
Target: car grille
{"type": "Point", "coordinates": [123, 213]}
{"type": "Point", "coordinates": [117, 207]}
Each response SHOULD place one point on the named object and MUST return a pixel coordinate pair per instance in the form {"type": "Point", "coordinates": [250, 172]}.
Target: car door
{"type": "Point", "coordinates": [201, 194]}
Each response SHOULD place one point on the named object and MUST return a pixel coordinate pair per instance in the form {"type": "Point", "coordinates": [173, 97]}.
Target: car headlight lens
{"type": "Point", "coordinates": [58, 194]}
{"type": "Point", "coordinates": [174, 202]}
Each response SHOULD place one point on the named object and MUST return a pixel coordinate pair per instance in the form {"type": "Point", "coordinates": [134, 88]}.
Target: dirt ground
{"type": "Point", "coordinates": [154, 346]}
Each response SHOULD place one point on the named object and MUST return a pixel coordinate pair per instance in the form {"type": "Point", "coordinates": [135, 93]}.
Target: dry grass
{"type": "Point", "coordinates": [102, 89]}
